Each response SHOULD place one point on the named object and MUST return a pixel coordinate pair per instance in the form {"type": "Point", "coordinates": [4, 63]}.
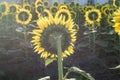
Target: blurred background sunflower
{"type": "Point", "coordinates": [23, 16]}
{"type": "Point", "coordinates": [4, 9]}
{"type": "Point", "coordinates": [92, 16]}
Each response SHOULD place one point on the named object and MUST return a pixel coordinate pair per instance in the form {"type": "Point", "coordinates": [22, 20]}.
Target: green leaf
{"type": "Point", "coordinates": [117, 67]}
{"type": "Point", "coordinates": [82, 72]}
{"type": "Point", "coordinates": [48, 61]}
{"type": "Point", "coordinates": [45, 78]}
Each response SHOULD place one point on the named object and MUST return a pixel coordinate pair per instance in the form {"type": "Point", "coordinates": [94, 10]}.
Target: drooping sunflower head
{"type": "Point", "coordinates": [93, 16]}
{"type": "Point", "coordinates": [13, 8]}
{"type": "Point", "coordinates": [116, 20]}
{"type": "Point", "coordinates": [23, 16]}
{"type": "Point", "coordinates": [44, 39]}
{"type": "Point", "coordinates": [4, 8]}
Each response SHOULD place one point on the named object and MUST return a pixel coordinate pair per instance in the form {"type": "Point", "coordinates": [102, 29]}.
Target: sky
{"type": "Point", "coordinates": [82, 2]}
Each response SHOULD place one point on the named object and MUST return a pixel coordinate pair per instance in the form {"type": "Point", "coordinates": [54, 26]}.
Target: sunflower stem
{"type": "Point", "coordinates": [60, 63]}
{"type": "Point", "coordinates": [94, 47]}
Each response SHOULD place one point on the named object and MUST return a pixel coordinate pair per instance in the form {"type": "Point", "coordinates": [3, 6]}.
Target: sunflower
{"type": "Point", "coordinates": [63, 6]}
{"type": "Point", "coordinates": [109, 20]}
{"type": "Point", "coordinates": [104, 7]}
{"type": "Point", "coordinates": [56, 4]}
{"type": "Point", "coordinates": [72, 4]}
{"type": "Point", "coordinates": [13, 8]}
{"type": "Point", "coordinates": [106, 11]}
{"type": "Point", "coordinates": [39, 9]}
{"type": "Point", "coordinates": [77, 4]}
{"type": "Point", "coordinates": [44, 37]}
{"type": "Point", "coordinates": [46, 3]}
{"type": "Point", "coordinates": [27, 6]}
{"type": "Point", "coordinates": [47, 13]}
{"type": "Point", "coordinates": [66, 13]}
{"type": "Point", "coordinates": [93, 16]}
{"type": "Point", "coordinates": [73, 14]}
{"type": "Point", "coordinates": [23, 16]}
{"type": "Point", "coordinates": [81, 9]}
{"type": "Point", "coordinates": [53, 9]}
{"type": "Point", "coordinates": [98, 6]}
{"type": "Point", "coordinates": [115, 3]}
{"type": "Point", "coordinates": [117, 29]}
{"type": "Point", "coordinates": [38, 2]}
{"type": "Point", "coordinates": [4, 8]}
{"type": "Point", "coordinates": [87, 8]}
{"type": "Point", "coordinates": [116, 20]}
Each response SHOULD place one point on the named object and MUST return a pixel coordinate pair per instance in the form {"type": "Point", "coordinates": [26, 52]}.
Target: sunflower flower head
{"type": "Point", "coordinates": [23, 16]}
{"type": "Point", "coordinates": [13, 8]}
{"type": "Point", "coordinates": [27, 6]}
{"type": "Point", "coordinates": [109, 20]}
{"type": "Point", "coordinates": [92, 16]}
{"type": "Point", "coordinates": [116, 20]}
{"type": "Point", "coordinates": [38, 2]}
{"type": "Point", "coordinates": [53, 9]}
{"type": "Point", "coordinates": [44, 39]}
{"type": "Point", "coordinates": [4, 8]}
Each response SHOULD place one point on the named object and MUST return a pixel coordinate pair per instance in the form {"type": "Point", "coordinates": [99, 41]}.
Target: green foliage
{"type": "Point", "coordinates": [48, 61]}
{"type": "Point", "coordinates": [79, 71]}
{"type": "Point", "coordinates": [117, 67]}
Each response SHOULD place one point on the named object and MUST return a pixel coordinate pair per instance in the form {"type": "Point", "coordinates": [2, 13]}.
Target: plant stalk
{"type": "Point", "coordinates": [60, 63]}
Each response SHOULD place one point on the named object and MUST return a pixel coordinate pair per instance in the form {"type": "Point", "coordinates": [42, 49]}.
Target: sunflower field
{"type": "Point", "coordinates": [52, 40]}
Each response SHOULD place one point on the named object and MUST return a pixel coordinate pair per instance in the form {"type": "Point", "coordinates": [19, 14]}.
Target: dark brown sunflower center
{"type": "Point", "coordinates": [93, 15]}
{"type": "Point", "coordinates": [13, 9]}
{"type": "Point", "coordinates": [48, 39]}
{"type": "Point", "coordinates": [23, 16]}
{"type": "Point", "coordinates": [2, 8]}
